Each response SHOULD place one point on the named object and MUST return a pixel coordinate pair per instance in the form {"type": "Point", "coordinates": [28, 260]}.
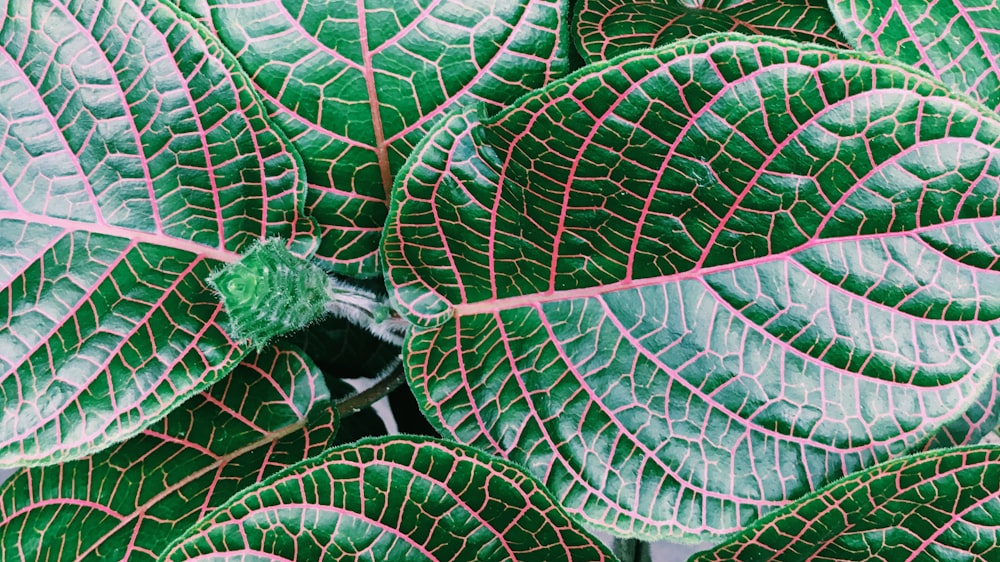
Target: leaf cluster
{"type": "Point", "coordinates": [726, 271]}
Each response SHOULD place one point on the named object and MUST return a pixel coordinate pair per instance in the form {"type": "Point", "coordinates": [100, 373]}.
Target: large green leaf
{"type": "Point", "coordinates": [357, 84]}
{"type": "Point", "coordinates": [687, 286]}
{"type": "Point", "coordinates": [133, 159]}
{"type": "Point", "coordinates": [957, 41]}
{"type": "Point", "coordinates": [937, 507]}
{"type": "Point", "coordinates": [604, 29]}
{"type": "Point", "coordinates": [131, 501]}
{"type": "Point", "coordinates": [404, 498]}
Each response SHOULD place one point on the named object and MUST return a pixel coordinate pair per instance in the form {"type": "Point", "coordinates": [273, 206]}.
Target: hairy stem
{"type": "Point", "coordinates": [391, 378]}
{"type": "Point", "coordinates": [366, 309]}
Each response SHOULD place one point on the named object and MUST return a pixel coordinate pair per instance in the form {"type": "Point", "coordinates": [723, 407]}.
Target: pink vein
{"type": "Point", "coordinates": [44, 341]}
{"type": "Point", "coordinates": [114, 352]}
{"type": "Point", "coordinates": [137, 138]}
{"type": "Point", "coordinates": [219, 461]}
{"type": "Point", "coordinates": [461, 91]}
{"type": "Point", "coordinates": [55, 127]}
{"type": "Point", "coordinates": [369, 73]}
{"type": "Point", "coordinates": [622, 430]}
{"type": "Point", "coordinates": [847, 497]}
{"type": "Point", "coordinates": [340, 511]}
{"type": "Point", "coordinates": [296, 25]}
{"type": "Point", "coordinates": [448, 489]}
{"type": "Point", "coordinates": [138, 237]}
{"type": "Point", "coordinates": [60, 502]}
{"type": "Point", "coordinates": [425, 12]}
{"type": "Point", "coordinates": [468, 309]}
{"type": "Point", "coordinates": [955, 518]}
{"type": "Point", "coordinates": [548, 437]}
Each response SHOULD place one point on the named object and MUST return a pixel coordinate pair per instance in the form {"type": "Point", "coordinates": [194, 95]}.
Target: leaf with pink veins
{"type": "Point", "coordinates": [688, 286]}
{"type": "Point", "coordinates": [356, 85]}
{"type": "Point", "coordinates": [134, 159]}
{"type": "Point", "coordinates": [130, 501]}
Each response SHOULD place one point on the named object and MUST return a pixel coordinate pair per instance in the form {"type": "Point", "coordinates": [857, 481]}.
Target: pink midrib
{"type": "Point", "coordinates": [509, 303]}
{"type": "Point", "coordinates": [138, 236]}
{"type": "Point", "coordinates": [368, 71]}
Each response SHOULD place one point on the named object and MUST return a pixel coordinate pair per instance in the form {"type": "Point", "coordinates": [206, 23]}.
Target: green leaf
{"type": "Point", "coordinates": [357, 85]}
{"type": "Point", "coordinates": [685, 287]}
{"type": "Point", "coordinates": [131, 501]}
{"type": "Point", "coordinates": [957, 41]}
{"type": "Point", "coordinates": [979, 419]}
{"type": "Point", "coordinates": [134, 159]}
{"type": "Point", "coordinates": [939, 506]}
{"type": "Point", "coordinates": [605, 29]}
{"type": "Point", "coordinates": [404, 498]}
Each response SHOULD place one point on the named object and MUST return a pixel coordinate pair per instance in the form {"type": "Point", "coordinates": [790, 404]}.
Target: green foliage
{"type": "Point", "coordinates": [709, 283]}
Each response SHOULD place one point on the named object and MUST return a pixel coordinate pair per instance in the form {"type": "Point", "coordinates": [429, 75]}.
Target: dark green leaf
{"type": "Point", "coordinates": [605, 29]}
{"type": "Point", "coordinates": [957, 41]}
{"type": "Point", "coordinates": [402, 498]}
{"type": "Point", "coordinates": [129, 502]}
{"type": "Point", "coordinates": [688, 286]}
{"type": "Point", "coordinates": [941, 506]}
{"type": "Point", "coordinates": [357, 85]}
{"type": "Point", "coordinates": [134, 158]}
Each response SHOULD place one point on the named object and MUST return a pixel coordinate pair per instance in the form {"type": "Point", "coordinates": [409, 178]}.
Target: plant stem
{"type": "Point", "coordinates": [366, 309]}
{"type": "Point", "coordinates": [392, 378]}
{"type": "Point", "coordinates": [631, 550]}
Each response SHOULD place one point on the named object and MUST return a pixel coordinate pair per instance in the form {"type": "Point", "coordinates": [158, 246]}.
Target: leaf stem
{"type": "Point", "coordinates": [366, 309]}
{"type": "Point", "coordinates": [392, 377]}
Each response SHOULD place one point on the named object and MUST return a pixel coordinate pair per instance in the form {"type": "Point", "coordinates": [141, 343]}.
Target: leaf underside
{"type": "Point", "coordinates": [356, 85]}
{"type": "Point", "coordinates": [129, 502]}
{"type": "Point", "coordinates": [685, 287]}
{"type": "Point", "coordinates": [403, 498]}
{"type": "Point", "coordinates": [135, 158]}
{"type": "Point", "coordinates": [938, 507]}
{"type": "Point", "coordinates": [604, 29]}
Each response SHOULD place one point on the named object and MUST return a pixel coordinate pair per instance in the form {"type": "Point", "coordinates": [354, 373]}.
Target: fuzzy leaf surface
{"type": "Point", "coordinates": [604, 29]}
{"type": "Point", "coordinates": [957, 41]}
{"type": "Point", "coordinates": [133, 159]}
{"type": "Point", "coordinates": [356, 85]}
{"type": "Point", "coordinates": [129, 502]}
{"type": "Point", "coordinates": [688, 286]}
{"type": "Point", "coordinates": [940, 506]}
{"type": "Point", "coordinates": [403, 498]}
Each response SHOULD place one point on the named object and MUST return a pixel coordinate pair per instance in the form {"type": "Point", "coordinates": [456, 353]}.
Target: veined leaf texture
{"type": "Point", "coordinates": [604, 29]}
{"type": "Point", "coordinates": [686, 286]}
{"type": "Point", "coordinates": [130, 501]}
{"type": "Point", "coordinates": [135, 158]}
{"type": "Point", "coordinates": [356, 85]}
